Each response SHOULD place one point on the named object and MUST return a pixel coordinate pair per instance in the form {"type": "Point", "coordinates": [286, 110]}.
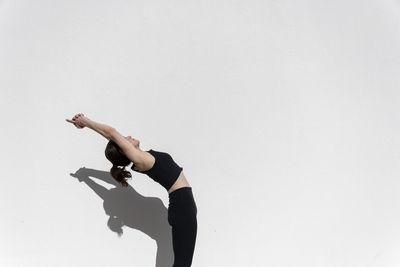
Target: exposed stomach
{"type": "Point", "coordinates": [180, 182]}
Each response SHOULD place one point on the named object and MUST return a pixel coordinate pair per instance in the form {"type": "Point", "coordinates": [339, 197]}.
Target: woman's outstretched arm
{"type": "Point", "coordinates": [80, 121]}
{"type": "Point", "coordinates": [134, 154]}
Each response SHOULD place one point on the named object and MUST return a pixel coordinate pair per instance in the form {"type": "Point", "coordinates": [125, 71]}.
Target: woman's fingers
{"type": "Point", "coordinates": [75, 117]}
{"type": "Point", "coordinates": [78, 115]}
{"type": "Point", "coordinates": [75, 123]}
{"type": "Point", "coordinates": [71, 121]}
{"type": "Point", "coordinates": [74, 120]}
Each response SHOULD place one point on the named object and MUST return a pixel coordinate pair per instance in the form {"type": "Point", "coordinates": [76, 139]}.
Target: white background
{"type": "Point", "coordinates": [283, 114]}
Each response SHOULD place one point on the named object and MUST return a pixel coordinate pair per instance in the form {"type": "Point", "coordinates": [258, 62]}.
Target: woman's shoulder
{"type": "Point", "coordinates": [147, 163]}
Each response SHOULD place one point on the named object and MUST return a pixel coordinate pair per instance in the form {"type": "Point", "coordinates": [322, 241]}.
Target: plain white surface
{"type": "Point", "coordinates": [283, 114]}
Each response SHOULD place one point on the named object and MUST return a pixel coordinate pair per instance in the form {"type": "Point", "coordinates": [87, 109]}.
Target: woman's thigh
{"type": "Point", "coordinates": [183, 241]}
{"type": "Point", "coordinates": [182, 216]}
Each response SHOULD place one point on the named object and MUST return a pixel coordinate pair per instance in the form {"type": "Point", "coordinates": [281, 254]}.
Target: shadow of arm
{"type": "Point", "coordinates": [100, 190]}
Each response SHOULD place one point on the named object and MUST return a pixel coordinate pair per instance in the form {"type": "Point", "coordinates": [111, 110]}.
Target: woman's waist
{"type": "Point", "coordinates": [179, 183]}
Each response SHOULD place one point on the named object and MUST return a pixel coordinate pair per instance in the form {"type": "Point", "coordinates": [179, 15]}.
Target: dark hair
{"type": "Point", "coordinates": [117, 158]}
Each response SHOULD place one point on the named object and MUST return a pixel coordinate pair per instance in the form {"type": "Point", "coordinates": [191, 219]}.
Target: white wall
{"type": "Point", "coordinates": [283, 114]}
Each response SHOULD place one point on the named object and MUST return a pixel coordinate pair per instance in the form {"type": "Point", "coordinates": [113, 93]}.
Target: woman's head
{"type": "Point", "coordinates": [114, 154]}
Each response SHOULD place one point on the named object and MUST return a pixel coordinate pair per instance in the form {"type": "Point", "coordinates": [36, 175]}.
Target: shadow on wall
{"type": "Point", "coordinates": [127, 207]}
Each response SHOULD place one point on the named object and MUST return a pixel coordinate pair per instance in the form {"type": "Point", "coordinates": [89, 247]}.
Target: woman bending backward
{"type": "Point", "coordinates": [160, 166]}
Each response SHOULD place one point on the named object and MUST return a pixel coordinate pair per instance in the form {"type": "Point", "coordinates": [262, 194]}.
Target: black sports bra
{"type": "Point", "coordinates": [165, 170]}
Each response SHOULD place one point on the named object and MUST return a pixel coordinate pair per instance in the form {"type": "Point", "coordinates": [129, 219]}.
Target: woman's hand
{"type": "Point", "coordinates": [79, 120]}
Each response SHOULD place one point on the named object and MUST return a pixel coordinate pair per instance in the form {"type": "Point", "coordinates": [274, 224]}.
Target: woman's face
{"type": "Point", "coordinates": [133, 141]}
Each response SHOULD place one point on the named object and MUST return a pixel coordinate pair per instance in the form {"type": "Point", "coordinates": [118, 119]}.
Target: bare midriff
{"type": "Point", "coordinates": [179, 183]}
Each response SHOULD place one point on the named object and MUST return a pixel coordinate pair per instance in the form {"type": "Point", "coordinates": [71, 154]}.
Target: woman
{"type": "Point", "coordinates": [160, 166]}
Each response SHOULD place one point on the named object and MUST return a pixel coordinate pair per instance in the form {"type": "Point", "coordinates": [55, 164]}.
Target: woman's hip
{"type": "Point", "coordinates": [182, 206]}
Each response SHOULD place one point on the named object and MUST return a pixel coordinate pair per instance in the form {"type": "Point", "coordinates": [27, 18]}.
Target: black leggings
{"type": "Point", "coordinates": [182, 216]}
